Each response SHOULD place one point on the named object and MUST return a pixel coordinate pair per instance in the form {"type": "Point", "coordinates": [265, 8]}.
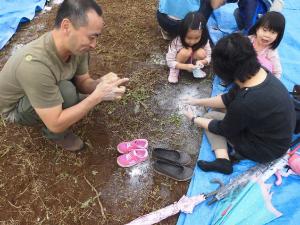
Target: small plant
{"type": "Point", "coordinates": [175, 119]}
{"type": "Point", "coordinates": [137, 95]}
{"type": "Point", "coordinates": [111, 108]}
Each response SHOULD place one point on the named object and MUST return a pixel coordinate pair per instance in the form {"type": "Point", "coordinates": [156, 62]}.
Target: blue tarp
{"type": "Point", "coordinates": [13, 12]}
{"type": "Point", "coordinates": [286, 197]}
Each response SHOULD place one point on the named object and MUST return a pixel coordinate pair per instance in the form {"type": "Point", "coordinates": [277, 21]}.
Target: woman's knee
{"type": "Point", "coordinates": [214, 115]}
{"type": "Point", "coordinates": [208, 115]}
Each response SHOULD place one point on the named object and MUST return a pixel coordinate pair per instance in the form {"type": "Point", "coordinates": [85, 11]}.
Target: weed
{"type": "Point", "coordinates": [175, 119]}
{"type": "Point", "coordinates": [111, 108]}
{"type": "Point", "coordinates": [137, 95]}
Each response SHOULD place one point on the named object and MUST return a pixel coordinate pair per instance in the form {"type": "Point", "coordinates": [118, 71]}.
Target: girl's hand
{"type": "Point", "coordinates": [188, 113]}
{"type": "Point", "coordinates": [200, 63]}
{"type": "Point", "coordinates": [190, 100]}
{"type": "Point", "coordinates": [190, 67]}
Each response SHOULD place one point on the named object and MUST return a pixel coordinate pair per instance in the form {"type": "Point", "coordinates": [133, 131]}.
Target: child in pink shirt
{"type": "Point", "coordinates": [191, 49]}
{"type": "Point", "coordinates": [265, 36]}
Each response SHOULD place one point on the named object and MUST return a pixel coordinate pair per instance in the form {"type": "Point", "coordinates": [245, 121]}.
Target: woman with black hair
{"type": "Point", "coordinates": [260, 117]}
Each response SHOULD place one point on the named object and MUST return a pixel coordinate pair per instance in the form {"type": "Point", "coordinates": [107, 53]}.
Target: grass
{"type": "Point", "coordinates": [175, 119]}
{"type": "Point", "coordinates": [137, 95]}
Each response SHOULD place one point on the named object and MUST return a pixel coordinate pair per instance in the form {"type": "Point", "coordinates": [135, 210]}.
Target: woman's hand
{"type": "Point", "coordinates": [190, 100]}
{"type": "Point", "coordinates": [189, 113]}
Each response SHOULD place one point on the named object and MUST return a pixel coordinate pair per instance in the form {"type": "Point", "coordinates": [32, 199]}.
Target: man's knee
{"type": "Point", "coordinates": [24, 113]}
{"type": "Point", "coordinates": [69, 93]}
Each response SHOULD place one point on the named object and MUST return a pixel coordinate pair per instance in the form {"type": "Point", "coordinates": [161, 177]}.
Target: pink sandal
{"type": "Point", "coordinates": [125, 147]}
{"type": "Point", "coordinates": [132, 158]}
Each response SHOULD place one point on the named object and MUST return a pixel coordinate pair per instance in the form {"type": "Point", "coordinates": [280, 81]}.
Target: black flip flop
{"type": "Point", "coordinates": [176, 172]}
{"type": "Point", "coordinates": [171, 156]}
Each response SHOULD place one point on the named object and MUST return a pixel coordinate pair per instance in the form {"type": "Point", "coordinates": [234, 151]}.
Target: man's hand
{"type": "Point", "coordinates": [109, 89]}
{"type": "Point", "coordinates": [108, 77]}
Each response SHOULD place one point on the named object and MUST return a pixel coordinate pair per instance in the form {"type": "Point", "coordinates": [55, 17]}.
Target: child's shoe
{"type": "Point", "coordinates": [173, 76]}
{"type": "Point", "coordinates": [132, 158]}
{"type": "Point", "coordinates": [198, 73]}
{"type": "Point", "coordinates": [125, 147]}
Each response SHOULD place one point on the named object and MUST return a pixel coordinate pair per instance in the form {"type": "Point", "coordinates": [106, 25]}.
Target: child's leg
{"type": "Point", "coordinates": [199, 58]}
{"type": "Point", "coordinates": [183, 55]}
{"type": "Point", "coordinates": [200, 54]}
{"type": "Point", "coordinates": [215, 4]}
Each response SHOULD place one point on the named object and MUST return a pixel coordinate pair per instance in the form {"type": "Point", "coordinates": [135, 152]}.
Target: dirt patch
{"type": "Point", "coordinates": [42, 184]}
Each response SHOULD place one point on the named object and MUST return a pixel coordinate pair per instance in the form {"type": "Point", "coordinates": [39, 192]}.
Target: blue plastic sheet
{"type": "Point", "coordinates": [286, 197]}
{"type": "Point", "coordinates": [171, 8]}
{"type": "Point", "coordinates": [13, 12]}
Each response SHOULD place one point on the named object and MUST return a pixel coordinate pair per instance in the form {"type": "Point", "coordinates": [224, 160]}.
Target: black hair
{"type": "Point", "coordinates": [274, 21]}
{"type": "Point", "coordinates": [234, 58]}
{"type": "Point", "coordinates": [193, 21]}
{"type": "Point", "coordinates": [75, 11]}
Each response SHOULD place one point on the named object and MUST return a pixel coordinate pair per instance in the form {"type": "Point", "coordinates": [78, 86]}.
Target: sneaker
{"type": "Point", "coordinates": [69, 142]}
{"type": "Point", "coordinates": [125, 147]}
{"type": "Point", "coordinates": [132, 158]}
{"type": "Point", "coordinates": [198, 73]}
{"type": "Point", "coordinates": [173, 76]}
{"type": "Point", "coordinates": [166, 36]}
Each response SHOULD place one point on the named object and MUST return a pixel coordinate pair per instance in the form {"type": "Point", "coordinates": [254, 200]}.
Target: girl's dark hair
{"type": "Point", "coordinates": [274, 21]}
{"type": "Point", "coordinates": [193, 21]}
{"type": "Point", "coordinates": [76, 12]}
{"type": "Point", "coordinates": [234, 58]}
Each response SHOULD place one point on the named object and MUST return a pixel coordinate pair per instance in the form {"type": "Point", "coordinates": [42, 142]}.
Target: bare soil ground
{"type": "Point", "coordinates": [42, 184]}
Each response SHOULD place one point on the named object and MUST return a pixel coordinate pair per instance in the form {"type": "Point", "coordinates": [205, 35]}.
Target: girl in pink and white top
{"type": "Point", "coordinates": [265, 36]}
{"type": "Point", "coordinates": [190, 50]}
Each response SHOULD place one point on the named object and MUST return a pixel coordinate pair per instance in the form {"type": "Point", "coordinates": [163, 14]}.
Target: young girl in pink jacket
{"type": "Point", "coordinates": [265, 36]}
{"type": "Point", "coordinates": [189, 51]}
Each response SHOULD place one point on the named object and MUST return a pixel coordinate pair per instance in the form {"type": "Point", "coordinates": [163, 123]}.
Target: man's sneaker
{"type": "Point", "coordinates": [128, 146]}
{"type": "Point", "coordinates": [173, 76]}
{"type": "Point", "coordinates": [165, 35]}
{"type": "Point", "coordinates": [132, 158]}
{"type": "Point", "coordinates": [69, 142]}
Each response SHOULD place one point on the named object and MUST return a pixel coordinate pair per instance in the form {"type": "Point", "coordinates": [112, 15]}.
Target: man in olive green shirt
{"type": "Point", "coordinates": [41, 82]}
